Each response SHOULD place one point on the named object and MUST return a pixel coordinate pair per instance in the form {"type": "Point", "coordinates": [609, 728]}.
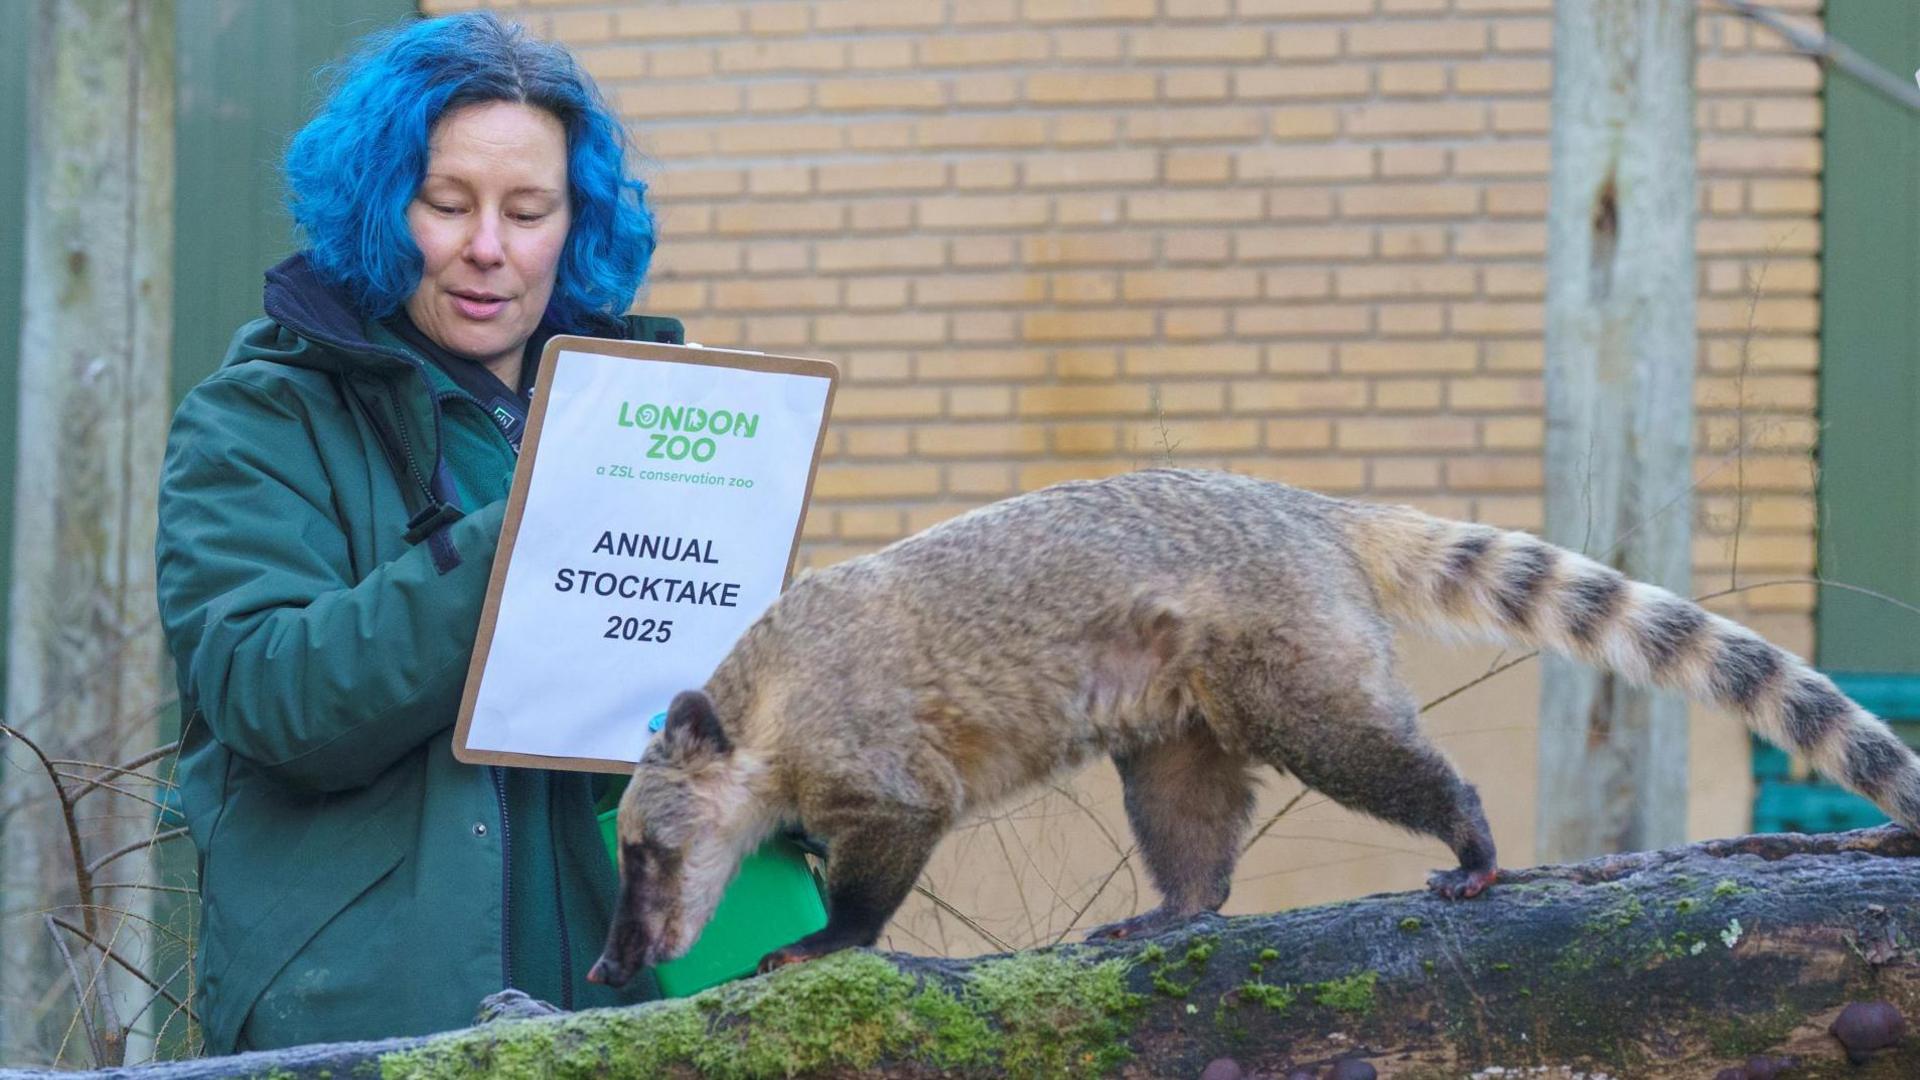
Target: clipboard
{"type": "Point", "coordinates": [630, 520]}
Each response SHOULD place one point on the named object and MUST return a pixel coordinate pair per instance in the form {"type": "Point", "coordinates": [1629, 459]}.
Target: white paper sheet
{"type": "Point", "coordinates": [659, 521]}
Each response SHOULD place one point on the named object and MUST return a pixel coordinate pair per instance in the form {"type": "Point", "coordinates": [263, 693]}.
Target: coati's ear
{"type": "Point", "coordinates": [1160, 627]}
{"type": "Point", "coordinates": [693, 725]}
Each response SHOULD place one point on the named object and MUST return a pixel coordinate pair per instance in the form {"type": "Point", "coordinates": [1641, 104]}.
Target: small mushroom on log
{"type": "Point", "coordinates": [1866, 1026]}
{"type": "Point", "coordinates": [1223, 1069]}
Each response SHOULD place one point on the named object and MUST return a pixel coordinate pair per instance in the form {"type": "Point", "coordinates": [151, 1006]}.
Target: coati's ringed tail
{"type": "Point", "coordinates": [1474, 580]}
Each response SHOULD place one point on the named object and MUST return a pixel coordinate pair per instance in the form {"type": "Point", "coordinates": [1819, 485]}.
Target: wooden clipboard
{"type": "Point", "coordinates": [523, 480]}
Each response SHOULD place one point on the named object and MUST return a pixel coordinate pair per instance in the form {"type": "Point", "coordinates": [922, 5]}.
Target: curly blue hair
{"type": "Point", "coordinates": [352, 170]}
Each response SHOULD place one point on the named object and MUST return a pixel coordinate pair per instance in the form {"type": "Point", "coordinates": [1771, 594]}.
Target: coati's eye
{"type": "Point", "coordinates": [657, 851]}
{"type": "Point", "coordinates": [648, 854]}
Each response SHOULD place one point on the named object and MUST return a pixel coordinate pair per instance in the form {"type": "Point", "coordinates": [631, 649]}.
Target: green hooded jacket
{"type": "Point", "coordinates": [356, 881]}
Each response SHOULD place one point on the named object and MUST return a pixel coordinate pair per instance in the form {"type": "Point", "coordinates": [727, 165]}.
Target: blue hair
{"type": "Point", "coordinates": [352, 170]}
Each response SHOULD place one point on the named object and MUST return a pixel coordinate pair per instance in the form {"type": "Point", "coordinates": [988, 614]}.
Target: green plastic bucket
{"type": "Point", "coordinates": [775, 900]}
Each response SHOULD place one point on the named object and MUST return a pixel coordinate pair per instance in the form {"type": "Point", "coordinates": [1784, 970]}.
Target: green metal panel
{"type": "Point", "coordinates": [1869, 412]}
{"type": "Point", "coordinates": [1870, 352]}
{"type": "Point", "coordinates": [249, 74]}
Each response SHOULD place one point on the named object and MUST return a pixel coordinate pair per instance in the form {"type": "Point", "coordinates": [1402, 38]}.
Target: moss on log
{"type": "Point", "coordinates": [1676, 963]}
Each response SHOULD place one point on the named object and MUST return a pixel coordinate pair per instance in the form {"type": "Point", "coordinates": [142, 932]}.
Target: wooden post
{"type": "Point", "coordinates": [86, 670]}
{"type": "Point", "coordinates": [1620, 345]}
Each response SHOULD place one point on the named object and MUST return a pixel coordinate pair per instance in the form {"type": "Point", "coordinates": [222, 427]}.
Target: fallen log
{"type": "Point", "coordinates": [1728, 955]}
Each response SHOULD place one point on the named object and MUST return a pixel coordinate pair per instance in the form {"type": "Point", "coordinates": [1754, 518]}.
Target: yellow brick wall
{"type": "Point", "coordinates": [1302, 239]}
{"type": "Point", "coordinates": [1297, 238]}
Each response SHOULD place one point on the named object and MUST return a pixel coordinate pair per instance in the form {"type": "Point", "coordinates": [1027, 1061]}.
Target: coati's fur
{"type": "Point", "coordinates": [1195, 626]}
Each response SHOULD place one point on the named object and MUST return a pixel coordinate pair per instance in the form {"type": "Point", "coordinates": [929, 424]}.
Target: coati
{"type": "Point", "coordinates": [1193, 625]}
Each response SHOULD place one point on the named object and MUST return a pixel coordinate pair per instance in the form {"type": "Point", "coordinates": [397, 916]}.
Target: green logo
{"type": "Point", "coordinates": [686, 432]}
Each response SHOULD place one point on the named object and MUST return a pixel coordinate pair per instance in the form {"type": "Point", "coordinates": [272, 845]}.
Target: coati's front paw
{"type": "Point", "coordinates": [1461, 884]}
{"type": "Point", "coordinates": [796, 953]}
{"type": "Point", "coordinates": [1157, 921]}
{"type": "Point", "coordinates": [780, 958]}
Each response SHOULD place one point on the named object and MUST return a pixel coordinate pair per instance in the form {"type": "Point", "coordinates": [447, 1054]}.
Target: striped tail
{"type": "Point", "coordinates": [1460, 579]}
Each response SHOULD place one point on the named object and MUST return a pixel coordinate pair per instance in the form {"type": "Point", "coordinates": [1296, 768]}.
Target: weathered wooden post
{"type": "Point", "coordinates": [85, 677]}
{"type": "Point", "coordinates": [1619, 398]}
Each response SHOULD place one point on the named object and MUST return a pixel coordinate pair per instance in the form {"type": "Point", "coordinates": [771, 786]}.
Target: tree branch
{"type": "Point", "coordinates": [121, 769]}
{"type": "Point", "coordinates": [160, 991]}
{"type": "Point", "coordinates": [128, 849]}
{"type": "Point", "coordinates": [82, 872]}
{"type": "Point", "coordinates": [1671, 963]}
{"type": "Point", "coordinates": [81, 991]}
{"type": "Point", "coordinates": [1831, 53]}
{"type": "Point", "coordinates": [130, 967]}
{"type": "Point", "coordinates": [108, 785]}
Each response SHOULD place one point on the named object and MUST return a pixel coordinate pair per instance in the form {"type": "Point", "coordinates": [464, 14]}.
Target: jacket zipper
{"type": "Point", "coordinates": [560, 905]}
{"type": "Point", "coordinates": [506, 879]}
{"type": "Point", "coordinates": [499, 774]}
{"type": "Point", "coordinates": [414, 365]}
{"type": "Point", "coordinates": [406, 444]}
{"type": "Point", "coordinates": [506, 836]}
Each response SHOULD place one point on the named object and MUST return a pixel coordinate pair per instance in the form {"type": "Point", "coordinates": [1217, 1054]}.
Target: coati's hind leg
{"type": "Point", "coordinates": [1188, 801]}
{"type": "Point", "coordinates": [874, 855]}
{"type": "Point", "coordinates": [1377, 762]}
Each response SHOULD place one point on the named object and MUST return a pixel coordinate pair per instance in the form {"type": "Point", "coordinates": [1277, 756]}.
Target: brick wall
{"type": "Point", "coordinates": [1297, 238]}
{"type": "Point", "coordinates": [1302, 239]}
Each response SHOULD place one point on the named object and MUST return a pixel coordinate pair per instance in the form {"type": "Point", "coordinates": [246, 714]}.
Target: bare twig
{"type": "Point", "coordinates": [80, 993]}
{"type": "Point", "coordinates": [1013, 874]}
{"type": "Point", "coordinates": [1347, 841]}
{"type": "Point", "coordinates": [128, 849]}
{"type": "Point", "coordinates": [157, 926]}
{"type": "Point", "coordinates": [1125, 854]}
{"type": "Point", "coordinates": [1167, 445]}
{"type": "Point", "coordinates": [969, 921]}
{"type": "Point", "coordinates": [1490, 673]}
{"type": "Point", "coordinates": [1830, 53]}
{"type": "Point", "coordinates": [1327, 864]}
{"type": "Point", "coordinates": [1270, 822]}
{"type": "Point", "coordinates": [130, 967]}
{"type": "Point", "coordinates": [125, 767]}
{"type": "Point", "coordinates": [158, 993]}
{"type": "Point", "coordinates": [1740, 425]}
{"type": "Point", "coordinates": [103, 785]}
{"type": "Point", "coordinates": [82, 873]}
{"type": "Point", "coordinates": [1687, 492]}
{"type": "Point", "coordinates": [1819, 582]}
{"type": "Point", "coordinates": [142, 761]}
{"type": "Point", "coordinates": [1033, 864]}
{"type": "Point", "coordinates": [1081, 913]}
{"type": "Point", "coordinates": [902, 930]}
{"type": "Point", "coordinates": [1067, 793]}
{"type": "Point", "coordinates": [143, 885]}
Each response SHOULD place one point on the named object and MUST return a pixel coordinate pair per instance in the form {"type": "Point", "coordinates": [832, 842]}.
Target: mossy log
{"type": "Point", "coordinates": [1678, 963]}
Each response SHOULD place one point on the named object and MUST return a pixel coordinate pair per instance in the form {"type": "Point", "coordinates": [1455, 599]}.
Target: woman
{"type": "Point", "coordinates": [329, 509]}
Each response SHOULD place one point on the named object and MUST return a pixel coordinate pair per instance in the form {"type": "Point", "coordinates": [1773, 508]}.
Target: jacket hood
{"type": "Point", "coordinates": [304, 311]}
{"type": "Point", "coordinates": [310, 324]}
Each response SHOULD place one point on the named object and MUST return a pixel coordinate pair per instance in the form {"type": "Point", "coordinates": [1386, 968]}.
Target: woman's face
{"type": "Point", "coordinates": [491, 218]}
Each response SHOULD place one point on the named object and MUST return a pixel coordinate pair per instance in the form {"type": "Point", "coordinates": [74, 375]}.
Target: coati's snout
{"type": "Point", "coordinates": [626, 949]}
{"type": "Point", "coordinates": [633, 940]}
{"type": "Point", "coordinates": [675, 854]}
